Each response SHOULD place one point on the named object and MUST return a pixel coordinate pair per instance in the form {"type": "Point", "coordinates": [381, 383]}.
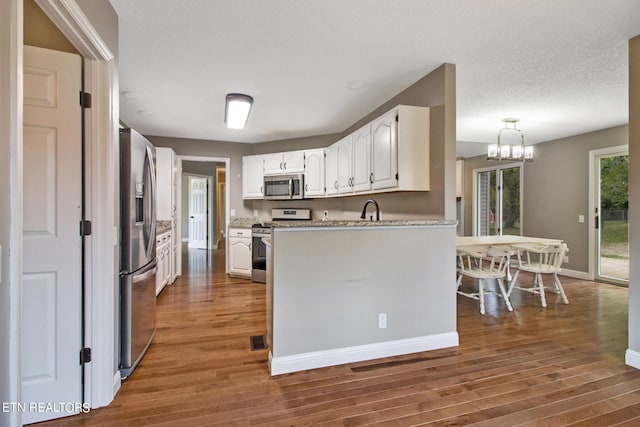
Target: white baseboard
{"type": "Point", "coordinates": [117, 382]}
{"type": "Point", "coordinates": [339, 356]}
{"type": "Point", "coordinates": [582, 275]}
{"type": "Point", "coordinates": [632, 358]}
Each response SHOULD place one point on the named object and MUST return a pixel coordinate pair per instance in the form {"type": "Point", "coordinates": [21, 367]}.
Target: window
{"type": "Point", "coordinates": [497, 201]}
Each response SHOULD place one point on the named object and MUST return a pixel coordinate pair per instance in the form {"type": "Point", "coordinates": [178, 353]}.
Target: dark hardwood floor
{"type": "Point", "coordinates": [563, 365]}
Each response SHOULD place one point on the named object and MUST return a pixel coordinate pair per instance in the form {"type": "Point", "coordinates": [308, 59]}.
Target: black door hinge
{"type": "Point", "coordinates": [85, 100]}
{"type": "Point", "coordinates": [85, 355]}
{"type": "Point", "coordinates": [85, 228]}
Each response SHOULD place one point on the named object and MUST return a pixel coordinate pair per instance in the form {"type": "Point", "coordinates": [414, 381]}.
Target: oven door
{"type": "Point", "coordinates": [284, 187]}
{"type": "Point", "coordinates": [258, 258]}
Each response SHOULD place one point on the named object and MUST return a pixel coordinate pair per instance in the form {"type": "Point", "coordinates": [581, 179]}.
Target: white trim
{"type": "Point", "coordinates": [575, 274]}
{"type": "Point", "coordinates": [100, 306]}
{"type": "Point", "coordinates": [474, 208]}
{"type": "Point", "coordinates": [632, 358]}
{"type": "Point", "coordinates": [227, 165]}
{"type": "Point", "coordinates": [74, 24]}
{"type": "Point", "coordinates": [594, 179]}
{"type": "Point", "coordinates": [339, 356]}
{"type": "Point", "coordinates": [210, 179]}
{"type": "Point", "coordinates": [117, 382]}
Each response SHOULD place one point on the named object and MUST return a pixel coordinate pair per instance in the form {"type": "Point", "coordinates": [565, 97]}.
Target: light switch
{"type": "Point", "coordinates": [580, 219]}
{"type": "Point", "coordinates": [233, 212]}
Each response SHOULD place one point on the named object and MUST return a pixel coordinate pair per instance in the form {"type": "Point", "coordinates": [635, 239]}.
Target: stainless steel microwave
{"type": "Point", "coordinates": [284, 187]}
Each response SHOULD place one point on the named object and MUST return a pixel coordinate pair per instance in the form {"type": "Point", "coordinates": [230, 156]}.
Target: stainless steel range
{"type": "Point", "coordinates": [263, 229]}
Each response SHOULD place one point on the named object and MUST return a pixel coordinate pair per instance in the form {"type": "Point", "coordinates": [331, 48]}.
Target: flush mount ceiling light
{"type": "Point", "coordinates": [237, 110]}
{"type": "Point", "coordinates": [518, 152]}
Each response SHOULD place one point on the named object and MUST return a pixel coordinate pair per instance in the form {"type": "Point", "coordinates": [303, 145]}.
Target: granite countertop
{"type": "Point", "coordinates": [362, 223]}
{"type": "Point", "coordinates": [162, 226]}
{"type": "Point", "coordinates": [242, 222]}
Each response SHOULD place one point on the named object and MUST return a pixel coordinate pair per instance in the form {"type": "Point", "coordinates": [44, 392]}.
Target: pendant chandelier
{"type": "Point", "coordinates": [517, 152]}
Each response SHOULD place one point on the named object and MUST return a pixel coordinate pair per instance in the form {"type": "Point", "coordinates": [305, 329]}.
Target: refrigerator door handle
{"type": "Point", "coordinates": [146, 275]}
{"type": "Point", "coordinates": [150, 222]}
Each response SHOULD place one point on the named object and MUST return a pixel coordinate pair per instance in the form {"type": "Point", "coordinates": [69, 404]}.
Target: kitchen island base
{"type": "Point", "coordinates": [342, 294]}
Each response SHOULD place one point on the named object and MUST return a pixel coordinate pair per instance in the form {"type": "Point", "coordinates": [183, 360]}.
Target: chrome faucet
{"type": "Point", "coordinates": [364, 210]}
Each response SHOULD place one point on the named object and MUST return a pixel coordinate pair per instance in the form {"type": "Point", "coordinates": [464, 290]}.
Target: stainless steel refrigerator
{"type": "Point", "coordinates": [137, 248]}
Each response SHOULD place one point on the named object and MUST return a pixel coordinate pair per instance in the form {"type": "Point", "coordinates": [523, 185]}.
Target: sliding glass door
{"type": "Point", "coordinates": [497, 207]}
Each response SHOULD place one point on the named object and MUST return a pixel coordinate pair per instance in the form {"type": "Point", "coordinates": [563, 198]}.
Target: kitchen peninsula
{"type": "Point", "coordinates": [347, 291]}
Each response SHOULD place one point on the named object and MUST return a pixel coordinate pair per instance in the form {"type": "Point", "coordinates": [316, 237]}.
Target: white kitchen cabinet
{"type": "Point", "coordinates": [252, 177]}
{"type": "Point", "coordinates": [331, 170]}
{"type": "Point", "coordinates": [314, 182]}
{"type": "Point", "coordinates": [168, 203]}
{"type": "Point", "coordinates": [240, 252]}
{"type": "Point", "coordinates": [163, 254]}
{"type": "Point", "coordinates": [345, 165]}
{"type": "Point", "coordinates": [361, 158]}
{"type": "Point", "coordinates": [384, 152]}
{"type": "Point", "coordinates": [282, 163]}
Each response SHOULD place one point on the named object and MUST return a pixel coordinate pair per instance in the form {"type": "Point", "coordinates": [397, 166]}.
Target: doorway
{"type": "Point", "coordinates": [497, 204]}
{"type": "Point", "coordinates": [199, 211]}
{"type": "Point", "coordinates": [610, 200]}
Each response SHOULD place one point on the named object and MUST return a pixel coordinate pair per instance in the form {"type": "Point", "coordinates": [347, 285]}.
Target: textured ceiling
{"type": "Point", "coordinates": [559, 65]}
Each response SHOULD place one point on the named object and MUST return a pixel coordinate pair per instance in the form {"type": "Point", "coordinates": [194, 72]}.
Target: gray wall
{"type": "Point", "coordinates": [233, 151]}
{"type": "Point", "coordinates": [555, 191]}
{"type": "Point", "coordinates": [436, 90]}
{"type": "Point", "coordinates": [634, 194]}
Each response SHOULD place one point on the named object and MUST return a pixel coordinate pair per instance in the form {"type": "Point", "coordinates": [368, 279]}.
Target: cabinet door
{"type": "Point", "coordinates": [331, 170]}
{"type": "Point", "coordinates": [240, 256]}
{"type": "Point", "coordinates": [252, 177]}
{"type": "Point", "coordinates": [345, 158]}
{"type": "Point", "coordinates": [293, 161]}
{"type": "Point", "coordinates": [361, 173]}
{"type": "Point", "coordinates": [164, 183]}
{"type": "Point", "coordinates": [384, 152]}
{"type": "Point", "coordinates": [314, 173]}
{"type": "Point", "coordinates": [273, 164]}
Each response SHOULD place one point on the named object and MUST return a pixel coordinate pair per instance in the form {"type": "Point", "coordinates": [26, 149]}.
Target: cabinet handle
{"type": "Point", "coordinates": [306, 187]}
{"type": "Point", "coordinates": [239, 233]}
{"type": "Point", "coordinates": [371, 178]}
{"type": "Point", "coordinates": [249, 246]}
{"type": "Point", "coordinates": [335, 185]}
{"type": "Point", "coordinates": [285, 166]}
{"type": "Point", "coordinates": [281, 166]}
{"type": "Point", "coordinates": [261, 192]}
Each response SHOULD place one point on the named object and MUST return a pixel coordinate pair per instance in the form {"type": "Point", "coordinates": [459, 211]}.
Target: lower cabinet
{"type": "Point", "coordinates": [163, 253]}
{"type": "Point", "coordinates": [240, 252]}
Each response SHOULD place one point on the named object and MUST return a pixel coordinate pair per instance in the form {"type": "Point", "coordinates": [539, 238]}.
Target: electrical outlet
{"type": "Point", "coordinates": [580, 219]}
{"type": "Point", "coordinates": [233, 212]}
{"type": "Point", "coordinates": [255, 213]}
{"type": "Point", "coordinates": [382, 320]}
{"type": "Point", "coordinates": [566, 258]}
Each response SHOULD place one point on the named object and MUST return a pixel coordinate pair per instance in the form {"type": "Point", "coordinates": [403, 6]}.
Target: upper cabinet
{"type": "Point", "coordinates": [391, 153]}
{"type": "Point", "coordinates": [281, 163]}
{"type": "Point", "coordinates": [166, 208]}
{"type": "Point", "coordinates": [331, 170]}
{"type": "Point", "coordinates": [384, 152]}
{"type": "Point", "coordinates": [314, 169]}
{"type": "Point", "coordinates": [252, 177]}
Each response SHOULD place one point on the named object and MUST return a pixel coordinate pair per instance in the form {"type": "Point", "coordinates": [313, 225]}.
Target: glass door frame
{"type": "Point", "coordinates": [498, 215]}
{"type": "Point", "coordinates": [594, 203]}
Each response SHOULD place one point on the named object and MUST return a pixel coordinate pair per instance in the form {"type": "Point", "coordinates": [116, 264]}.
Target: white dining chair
{"type": "Point", "coordinates": [482, 266]}
{"type": "Point", "coordinates": [540, 260]}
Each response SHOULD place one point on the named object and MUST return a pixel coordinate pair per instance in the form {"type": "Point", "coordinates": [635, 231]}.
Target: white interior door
{"type": "Point", "coordinates": [51, 283]}
{"type": "Point", "coordinates": [198, 205]}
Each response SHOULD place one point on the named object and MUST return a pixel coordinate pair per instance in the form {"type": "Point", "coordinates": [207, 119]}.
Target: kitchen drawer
{"type": "Point", "coordinates": [239, 232]}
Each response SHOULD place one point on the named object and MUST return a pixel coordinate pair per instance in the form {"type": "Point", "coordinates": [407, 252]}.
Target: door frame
{"type": "Point", "coordinates": [594, 155]}
{"type": "Point", "coordinates": [209, 178]}
{"type": "Point", "coordinates": [102, 378]}
{"type": "Point", "coordinates": [227, 165]}
{"type": "Point", "coordinates": [220, 171]}
{"type": "Point", "coordinates": [474, 209]}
